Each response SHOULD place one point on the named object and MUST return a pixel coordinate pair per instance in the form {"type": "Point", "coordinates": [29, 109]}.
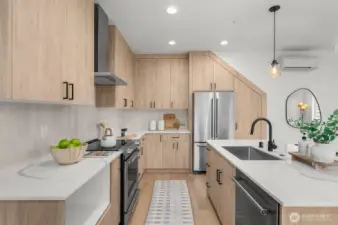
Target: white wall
{"type": "Point", "coordinates": [323, 82]}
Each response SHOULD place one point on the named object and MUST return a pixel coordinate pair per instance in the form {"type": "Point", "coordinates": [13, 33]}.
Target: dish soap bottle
{"type": "Point", "coordinates": [303, 146]}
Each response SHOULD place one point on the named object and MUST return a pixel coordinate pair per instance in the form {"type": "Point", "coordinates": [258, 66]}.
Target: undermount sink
{"type": "Point", "coordinates": [249, 153]}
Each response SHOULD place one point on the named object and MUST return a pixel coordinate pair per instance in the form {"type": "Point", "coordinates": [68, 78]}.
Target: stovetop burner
{"type": "Point", "coordinates": [95, 145]}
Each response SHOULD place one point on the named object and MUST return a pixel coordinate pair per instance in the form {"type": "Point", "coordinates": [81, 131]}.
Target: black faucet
{"type": "Point", "coordinates": [271, 143]}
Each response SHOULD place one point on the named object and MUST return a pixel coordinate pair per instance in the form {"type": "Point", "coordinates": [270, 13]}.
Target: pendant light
{"type": "Point", "coordinates": [275, 67]}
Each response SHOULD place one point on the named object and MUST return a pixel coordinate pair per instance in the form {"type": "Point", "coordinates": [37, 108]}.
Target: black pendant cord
{"type": "Point", "coordinates": [274, 36]}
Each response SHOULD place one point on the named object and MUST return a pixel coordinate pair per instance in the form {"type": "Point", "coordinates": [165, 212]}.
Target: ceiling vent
{"type": "Point", "coordinates": [298, 63]}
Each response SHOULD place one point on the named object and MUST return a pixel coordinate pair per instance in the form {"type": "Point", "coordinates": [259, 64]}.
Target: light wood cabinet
{"type": "Point", "coordinates": [162, 83]}
{"type": "Point", "coordinates": [248, 108]}
{"type": "Point", "coordinates": [142, 161]}
{"type": "Point", "coordinates": [44, 45]}
{"type": "Point", "coordinates": [209, 75]}
{"type": "Point", "coordinates": [182, 153]}
{"type": "Point", "coordinates": [121, 63]}
{"type": "Point", "coordinates": [221, 190]}
{"type": "Point", "coordinates": [145, 72]}
{"type": "Point", "coordinates": [153, 151]}
{"type": "Point", "coordinates": [175, 150]}
{"type": "Point", "coordinates": [202, 73]}
{"type": "Point", "coordinates": [115, 192]}
{"type": "Point", "coordinates": [223, 79]}
{"type": "Point", "coordinates": [161, 91]}
{"type": "Point", "coordinates": [179, 84]}
{"type": "Point", "coordinates": [169, 153]}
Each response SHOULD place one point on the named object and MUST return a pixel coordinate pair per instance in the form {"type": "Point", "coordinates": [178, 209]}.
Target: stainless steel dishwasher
{"type": "Point", "coordinates": [253, 205]}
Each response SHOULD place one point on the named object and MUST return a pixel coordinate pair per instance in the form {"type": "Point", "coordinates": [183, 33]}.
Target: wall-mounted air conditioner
{"type": "Point", "coordinates": [298, 63]}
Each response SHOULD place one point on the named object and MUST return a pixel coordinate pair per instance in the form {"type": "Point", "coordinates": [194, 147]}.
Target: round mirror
{"type": "Point", "coordinates": [302, 107]}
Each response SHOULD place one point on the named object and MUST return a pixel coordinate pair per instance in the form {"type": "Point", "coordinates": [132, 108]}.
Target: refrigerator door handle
{"type": "Point", "coordinates": [212, 119]}
{"type": "Point", "coordinates": [216, 118]}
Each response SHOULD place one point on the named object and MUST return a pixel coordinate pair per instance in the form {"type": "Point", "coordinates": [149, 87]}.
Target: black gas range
{"type": "Point", "coordinates": [129, 173]}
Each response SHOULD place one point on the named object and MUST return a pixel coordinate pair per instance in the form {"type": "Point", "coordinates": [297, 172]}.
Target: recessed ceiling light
{"type": "Point", "coordinates": [171, 10]}
{"type": "Point", "coordinates": [225, 42]}
{"type": "Point", "coordinates": [172, 43]}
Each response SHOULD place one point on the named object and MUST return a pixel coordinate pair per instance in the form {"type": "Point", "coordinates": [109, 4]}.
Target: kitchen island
{"type": "Point", "coordinates": [42, 192]}
{"type": "Point", "coordinates": [304, 199]}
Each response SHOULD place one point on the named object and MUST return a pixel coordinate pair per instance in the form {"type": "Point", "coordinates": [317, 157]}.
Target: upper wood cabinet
{"type": "Point", "coordinates": [47, 51]}
{"type": "Point", "coordinates": [248, 108]}
{"type": "Point", "coordinates": [144, 78]}
{"type": "Point", "coordinates": [162, 88]}
{"type": "Point", "coordinates": [162, 82]}
{"type": "Point", "coordinates": [121, 63]}
{"type": "Point", "coordinates": [202, 73]}
{"type": "Point", "coordinates": [179, 91]}
{"type": "Point", "coordinates": [223, 79]}
{"type": "Point", "coordinates": [209, 75]}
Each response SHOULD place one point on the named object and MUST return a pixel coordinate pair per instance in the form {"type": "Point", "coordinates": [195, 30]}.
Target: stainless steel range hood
{"type": "Point", "coordinates": [102, 73]}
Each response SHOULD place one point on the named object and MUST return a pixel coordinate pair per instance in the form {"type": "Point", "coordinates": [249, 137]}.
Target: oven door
{"type": "Point", "coordinates": [131, 177]}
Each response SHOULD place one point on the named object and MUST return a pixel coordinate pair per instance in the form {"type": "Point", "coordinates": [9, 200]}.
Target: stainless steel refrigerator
{"type": "Point", "coordinates": [213, 119]}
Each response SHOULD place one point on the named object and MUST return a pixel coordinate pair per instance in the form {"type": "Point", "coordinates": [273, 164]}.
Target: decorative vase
{"type": "Point", "coordinates": [324, 153]}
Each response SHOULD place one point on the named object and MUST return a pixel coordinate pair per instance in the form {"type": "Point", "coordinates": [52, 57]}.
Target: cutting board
{"type": "Point", "coordinates": [170, 121]}
{"type": "Point", "coordinates": [129, 136]}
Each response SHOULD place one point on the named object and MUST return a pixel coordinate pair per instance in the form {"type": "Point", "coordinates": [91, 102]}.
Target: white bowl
{"type": "Point", "coordinates": [69, 156]}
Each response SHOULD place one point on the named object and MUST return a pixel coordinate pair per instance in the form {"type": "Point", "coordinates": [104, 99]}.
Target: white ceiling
{"type": "Point", "coordinates": [203, 24]}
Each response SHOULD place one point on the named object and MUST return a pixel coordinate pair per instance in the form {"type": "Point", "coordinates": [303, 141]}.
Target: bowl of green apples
{"type": "Point", "coordinates": [69, 151]}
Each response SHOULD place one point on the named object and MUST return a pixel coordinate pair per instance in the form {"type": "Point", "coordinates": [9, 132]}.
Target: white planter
{"type": "Point", "coordinates": [324, 153]}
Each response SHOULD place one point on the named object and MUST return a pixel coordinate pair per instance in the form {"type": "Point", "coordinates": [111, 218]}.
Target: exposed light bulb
{"type": "Point", "coordinates": [275, 70]}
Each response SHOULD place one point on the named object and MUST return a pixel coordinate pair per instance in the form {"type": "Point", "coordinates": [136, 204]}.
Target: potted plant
{"type": "Point", "coordinates": [323, 134]}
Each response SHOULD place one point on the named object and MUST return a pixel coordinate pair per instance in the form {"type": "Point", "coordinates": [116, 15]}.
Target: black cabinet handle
{"type": "Point", "coordinates": [154, 104]}
{"type": "Point", "coordinates": [125, 102]}
{"type": "Point", "coordinates": [219, 177]}
{"type": "Point", "coordinates": [66, 83]}
{"type": "Point", "coordinates": [72, 87]}
{"type": "Point", "coordinates": [132, 103]}
{"type": "Point", "coordinates": [208, 185]}
{"type": "Point", "coordinates": [207, 165]}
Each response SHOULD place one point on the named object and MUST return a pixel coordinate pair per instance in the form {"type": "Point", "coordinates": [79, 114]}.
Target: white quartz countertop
{"type": "Point", "coordinates": [44, 179]}
{"type": "Point", "coordinates": [139, 134]}
{"type": "Point", "coordinates": [290, 183]}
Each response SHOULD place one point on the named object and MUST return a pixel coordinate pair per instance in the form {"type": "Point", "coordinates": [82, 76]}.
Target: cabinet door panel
{"type": "Point", "coordinates": [153, 151]}
{"type": "Point", "coordinates": [182, 155]}
{"type": "Point", "coordinates": [161, 91]}
{"type": "Point", "coordinates": [168, 154]}
{"type": "Point", "coordinates": [224, 80]}
{"type": "Point", "coordinates": [37, 37]}
{"type": "Point", "coordinates": [82, 51]}
{"type": "Point", "coordinates": [248, 108]}
{"type": "Point", "coordinates": [145, 72]}
{"type": "Point", "coordinates": [179, 83]}
{"type": "Point", "coordinates": [202, 73]}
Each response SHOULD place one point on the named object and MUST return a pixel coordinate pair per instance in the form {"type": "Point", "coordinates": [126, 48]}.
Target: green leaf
{"type": "Point", "coordinates": [332, 138]}
{"type": "Point", "coordinates": [336, 112]}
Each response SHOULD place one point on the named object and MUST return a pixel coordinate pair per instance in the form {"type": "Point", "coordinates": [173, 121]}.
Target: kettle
{"type": "Point", "coordinates": [108, 140]}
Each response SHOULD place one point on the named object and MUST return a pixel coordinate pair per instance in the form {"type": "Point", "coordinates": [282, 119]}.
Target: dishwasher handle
{"type": "Point", "coordinates": [263, 211]}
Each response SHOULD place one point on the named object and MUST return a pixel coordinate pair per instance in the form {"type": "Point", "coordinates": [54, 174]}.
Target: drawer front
{"type": "Point", "coordinates": [176, 137]}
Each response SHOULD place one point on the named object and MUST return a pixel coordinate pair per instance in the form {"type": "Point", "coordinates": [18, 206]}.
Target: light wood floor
{"type": "Point", "coordinates": [203, 211]}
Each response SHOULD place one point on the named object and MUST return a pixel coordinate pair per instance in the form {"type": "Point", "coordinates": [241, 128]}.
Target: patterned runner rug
{"type": "Point", "coordinates": [170, 204]}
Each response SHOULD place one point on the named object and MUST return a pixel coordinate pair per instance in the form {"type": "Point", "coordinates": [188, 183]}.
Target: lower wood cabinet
{"type": "Point", "coordinates": [153, 151]}
{"type": "Point", "coordinates": [166, 151]}
{"type": "Point", "coordinates": [220, 188]}
{"type": "Point", "coordinates": [142, 161]}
